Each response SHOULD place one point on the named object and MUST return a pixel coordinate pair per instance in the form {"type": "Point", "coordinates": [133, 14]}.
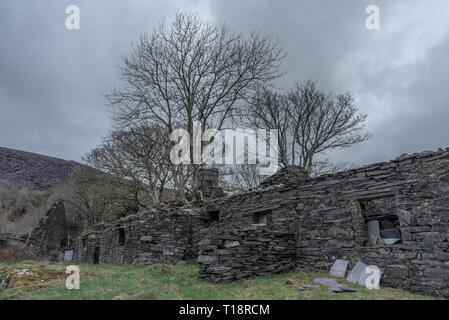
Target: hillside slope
{"type": "Point", "coordinates": [33, 171]}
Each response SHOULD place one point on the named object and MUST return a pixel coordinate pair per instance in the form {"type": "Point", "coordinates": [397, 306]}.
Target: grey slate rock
{"type": "Point", "coordinates": [373, 231]}
{"type": "Point", "coordinates": [391, 233]}
{"type": "Point", "coordinates": [68, 255]}
{"type": "Point", "coordinates": [339, 268]}
{"type": "Point", "coordinates": [357, 272]}
{"type": "Point", "coordinates": [335, 289]}
{"type": "Point", "coordinates": [347, 288]}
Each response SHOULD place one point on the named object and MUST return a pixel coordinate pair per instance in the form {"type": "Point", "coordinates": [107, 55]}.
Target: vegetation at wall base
{"type": "Point", "coordinates": [176, 282]}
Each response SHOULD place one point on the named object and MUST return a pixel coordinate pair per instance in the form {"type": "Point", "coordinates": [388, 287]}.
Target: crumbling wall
{"type": "Point", "coordinates": [52, 228]}
{"type": "Point", "coordinates": [330, 216]}
{"type": "Point", "coordinates": [50, 237]}
{"type": "Point", "coordinates": [311, 222]}
{"type": "Point", "coordinates": [155, 236]}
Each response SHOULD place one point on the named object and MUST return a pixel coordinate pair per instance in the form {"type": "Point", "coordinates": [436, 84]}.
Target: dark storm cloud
{"type": "Point", "coordinates": [52, 79]}
{"type": "Point", "coordinates": [398, 74]}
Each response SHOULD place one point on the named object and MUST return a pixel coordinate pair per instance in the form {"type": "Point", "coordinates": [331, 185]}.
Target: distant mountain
{"type": "Point", "coordinates": [33, 171]}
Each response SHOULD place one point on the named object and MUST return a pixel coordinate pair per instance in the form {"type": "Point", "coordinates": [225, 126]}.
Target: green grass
{"type": "Point", "coordinates": [100, 282]}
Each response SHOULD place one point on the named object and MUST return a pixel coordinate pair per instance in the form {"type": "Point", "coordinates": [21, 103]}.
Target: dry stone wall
{"type": "Point", "coordinates": [155, 236]}
{"type": "Point", "coordinates": [226, 255]}
{"type": "Point", "coordinates": [330, 214]}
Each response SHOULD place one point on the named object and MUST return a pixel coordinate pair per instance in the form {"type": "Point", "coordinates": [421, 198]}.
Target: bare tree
{"type": "Point", "coordinates": [310, 122]}
{"type": "Point", "coordinates": [324, 122]}
{"type": "Point", "coordinates": [93, 196]}
{"type": "Point", "coordinates": [270, 110]}
{"type": "Point", "coordinates": [192, 71]}
{"type": "Point", "coordinates": [240, 177]}
{"type": "Point", "coordinates": [139, 157]}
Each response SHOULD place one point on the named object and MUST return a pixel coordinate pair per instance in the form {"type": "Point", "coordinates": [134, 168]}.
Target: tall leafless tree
{"type": "Point", "coordinates": [192, 71]}
{"type": "Point", "coordinates": [270, 110]}
{"type": "Point", "coordinates": [310, 122]}
{"type": "Point", "coordinates": [323, 122]}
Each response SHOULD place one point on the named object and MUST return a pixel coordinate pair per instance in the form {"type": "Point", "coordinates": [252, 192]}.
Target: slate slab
{"type": "Point", "coordinates": [339, 268]}
{"type": "Point", "coordinates": [347, 288]}
{"type": "Point", "coordinates": [60, 257]}
{"type": "Point", "coordinates": [373, 232]}
{"type": "Point", "coordinates": [68, 255]}
{"type": "Point", "coordinates": [333, 285]}
{"type": "Point", "coordinates": [356, 273]}
{"type": "Point", "coordinates": [391, 233]}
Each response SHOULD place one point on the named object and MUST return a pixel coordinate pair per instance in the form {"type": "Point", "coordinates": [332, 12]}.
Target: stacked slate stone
{"type": "Point", "coordinates": [291, 175]}
{"type": "Point", "coordinates": [50, 237]}
{"type": "Point", "coordinates": [226, 255]}
{"type": "Point", "coordinates": [155, 236]}
{"type": "Point", "coordinates": [331, 214]}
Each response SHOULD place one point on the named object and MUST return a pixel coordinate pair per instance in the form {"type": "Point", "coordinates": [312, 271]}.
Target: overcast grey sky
{"type": "Point", "coordinates": [52, 80]}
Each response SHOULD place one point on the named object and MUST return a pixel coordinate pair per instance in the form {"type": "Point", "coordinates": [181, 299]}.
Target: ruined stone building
{"type": "Point", "coordinates": [51, 238]}
{"type": "Point", "coordinates": [390, 214]}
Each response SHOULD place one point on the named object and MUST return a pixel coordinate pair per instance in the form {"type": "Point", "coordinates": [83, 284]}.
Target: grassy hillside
{"type": "Point", "coordinates": [122, 282]}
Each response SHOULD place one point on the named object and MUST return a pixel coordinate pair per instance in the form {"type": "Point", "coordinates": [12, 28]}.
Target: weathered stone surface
{"type": "Point", "coordinates": [357, 272]}
{"type": "Point", "coordinates": [390, 234]}
{"type": "Point", "coordinates": [155, 236]}
{"type": "Point", "coordinates": [339, 268]}
{"type": "Point", "coordinates": [373, 232]}
{"type": "Point", "coordinates": [68, 255]}
{"type": "Point", "coordinates": [255, 251]}
{"type": "Point", "coordinates": [232, 244]}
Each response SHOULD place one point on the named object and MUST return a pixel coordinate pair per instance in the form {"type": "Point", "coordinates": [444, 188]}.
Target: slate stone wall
{"type": "Point", "coordinates": [155, 236]}
{"type": "Point", "coordinates": [51, 235]}
{"type": "Point", "coordinates": [329, 214]}
{"type": "Point", "coordinates": [227, 255]}
{"type": "Point", "coordinates": [293, 220]}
